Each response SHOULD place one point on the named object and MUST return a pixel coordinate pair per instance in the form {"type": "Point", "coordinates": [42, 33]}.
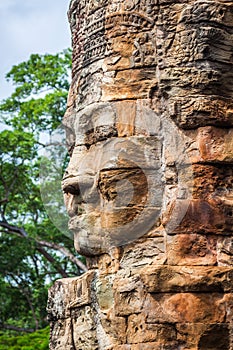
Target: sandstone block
{"type": "Point", "coordinates": [129, 295]}
{"type": "Point", "coordinates": [215, 144]}
{"type": "Point", "coordinates": [164, 279]}
{"type": "Point", "coordinates": [62, 334]}
{"type": "Point", "coordinates": [84, 329]}
{"type": "Point", "coordinates": [69, 293]}
{"type": "Point", "coordinates": [187, 308]}
{"type": "Point", "coordinates": [225, 251]}
{"type": "Point", "coordinates": [191, 249]}
{"type": "Point", "coordinates": [203, 336]}
{"type": "Point", "coordinates": [139, 331]}
{"type": "Point", "coordinates": [104, 292]}
{"type": "Point", "coordinates": [114, 330]}
{"type": "Point", "coordinates": [145, 250]}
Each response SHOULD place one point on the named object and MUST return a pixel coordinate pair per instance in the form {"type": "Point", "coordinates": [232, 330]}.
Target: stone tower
{"type": "Point", "coordinates": [149, 186]}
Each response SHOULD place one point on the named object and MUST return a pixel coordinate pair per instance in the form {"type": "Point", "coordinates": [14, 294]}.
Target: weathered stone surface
{"type": "Point", "coordinates": [210, 209]}
{"type": "Point", "coordinates": [186, 308]}
{"type": "Point", "coordinates": [192, 249]}
{"type": "Point", "coordinates": [203, 336]}
{"type": "Point", "coordinates": [129, 295]}
{"type": "Point", "coordinates": [62, 334]}
{"type": "Point", "coordinates": [84, 329]}
{"type": "Point", "coordinates": [215, 144]}
{"type": "Point", "coordinates": [143, 252]}
{"type": "Point", "coordinates": [149, 186]}
{"type": "Point", "coordinates": [225, 251]}
{"type": "Point", "coordinates": [69, 293]}
{"type": "Point", "coordinates": [190, 278]}
{"type": "Point", "coordinates": [140, 331]}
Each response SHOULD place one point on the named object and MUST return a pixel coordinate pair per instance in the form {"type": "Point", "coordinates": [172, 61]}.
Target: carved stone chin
{"type": "Point", "coordinates": [149, 185]}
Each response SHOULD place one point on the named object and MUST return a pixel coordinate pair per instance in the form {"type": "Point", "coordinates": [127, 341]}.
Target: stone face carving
{"type": "Point", "coordinates": [149, 184]}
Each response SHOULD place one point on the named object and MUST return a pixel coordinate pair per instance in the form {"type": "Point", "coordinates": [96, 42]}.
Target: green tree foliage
{"type": "Point", "coordinates": [33, 252]}
{"type": "Point", "coordinates": [39, 100]}
{"type": "Point", "coordinates": [36, 341]}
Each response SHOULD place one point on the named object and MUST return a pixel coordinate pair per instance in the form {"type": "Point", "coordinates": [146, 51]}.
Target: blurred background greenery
{"type": "Point", "coordinates": [34, 253]}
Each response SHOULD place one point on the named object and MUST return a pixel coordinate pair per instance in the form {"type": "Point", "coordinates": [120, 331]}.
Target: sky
{"type": "Point", "coordinates": [30, 26]}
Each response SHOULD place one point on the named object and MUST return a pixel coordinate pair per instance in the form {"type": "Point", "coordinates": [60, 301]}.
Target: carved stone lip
{"type": "Point", "coordinates": [78, 223]}
{"type": "Point", "coordinates": [75, 209]}
{"type": "Point", "coordinates": [72, 226]}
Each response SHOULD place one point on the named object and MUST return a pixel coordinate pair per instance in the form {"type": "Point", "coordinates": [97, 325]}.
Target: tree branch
{"type": "Point", "coordinates": [14, 229]}
{"type": "Point", "coordinates": [22, 233]}
{"type": "Point", "coordinates": [65, 252]}
{"type": "Point", "coordinates": [52, 261]}
{"type": "Point", "coordinates": [17, 329]}
{"type": "Point", "coordinates": [4, 200]}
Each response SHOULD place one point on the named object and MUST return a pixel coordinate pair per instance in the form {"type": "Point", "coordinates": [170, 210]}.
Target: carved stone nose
{"type": "Point", "coordinates": [72, 204]}
{"type": "Point", "coordinates": [72, 195]}
{"type": "Point", "coordinates": [71, 189]}
{"type": "Point", "coordinates": [70, 185]}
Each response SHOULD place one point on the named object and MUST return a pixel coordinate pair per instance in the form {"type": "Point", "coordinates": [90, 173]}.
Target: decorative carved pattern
{"type": "Point", "coordinates": [103, 20]}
